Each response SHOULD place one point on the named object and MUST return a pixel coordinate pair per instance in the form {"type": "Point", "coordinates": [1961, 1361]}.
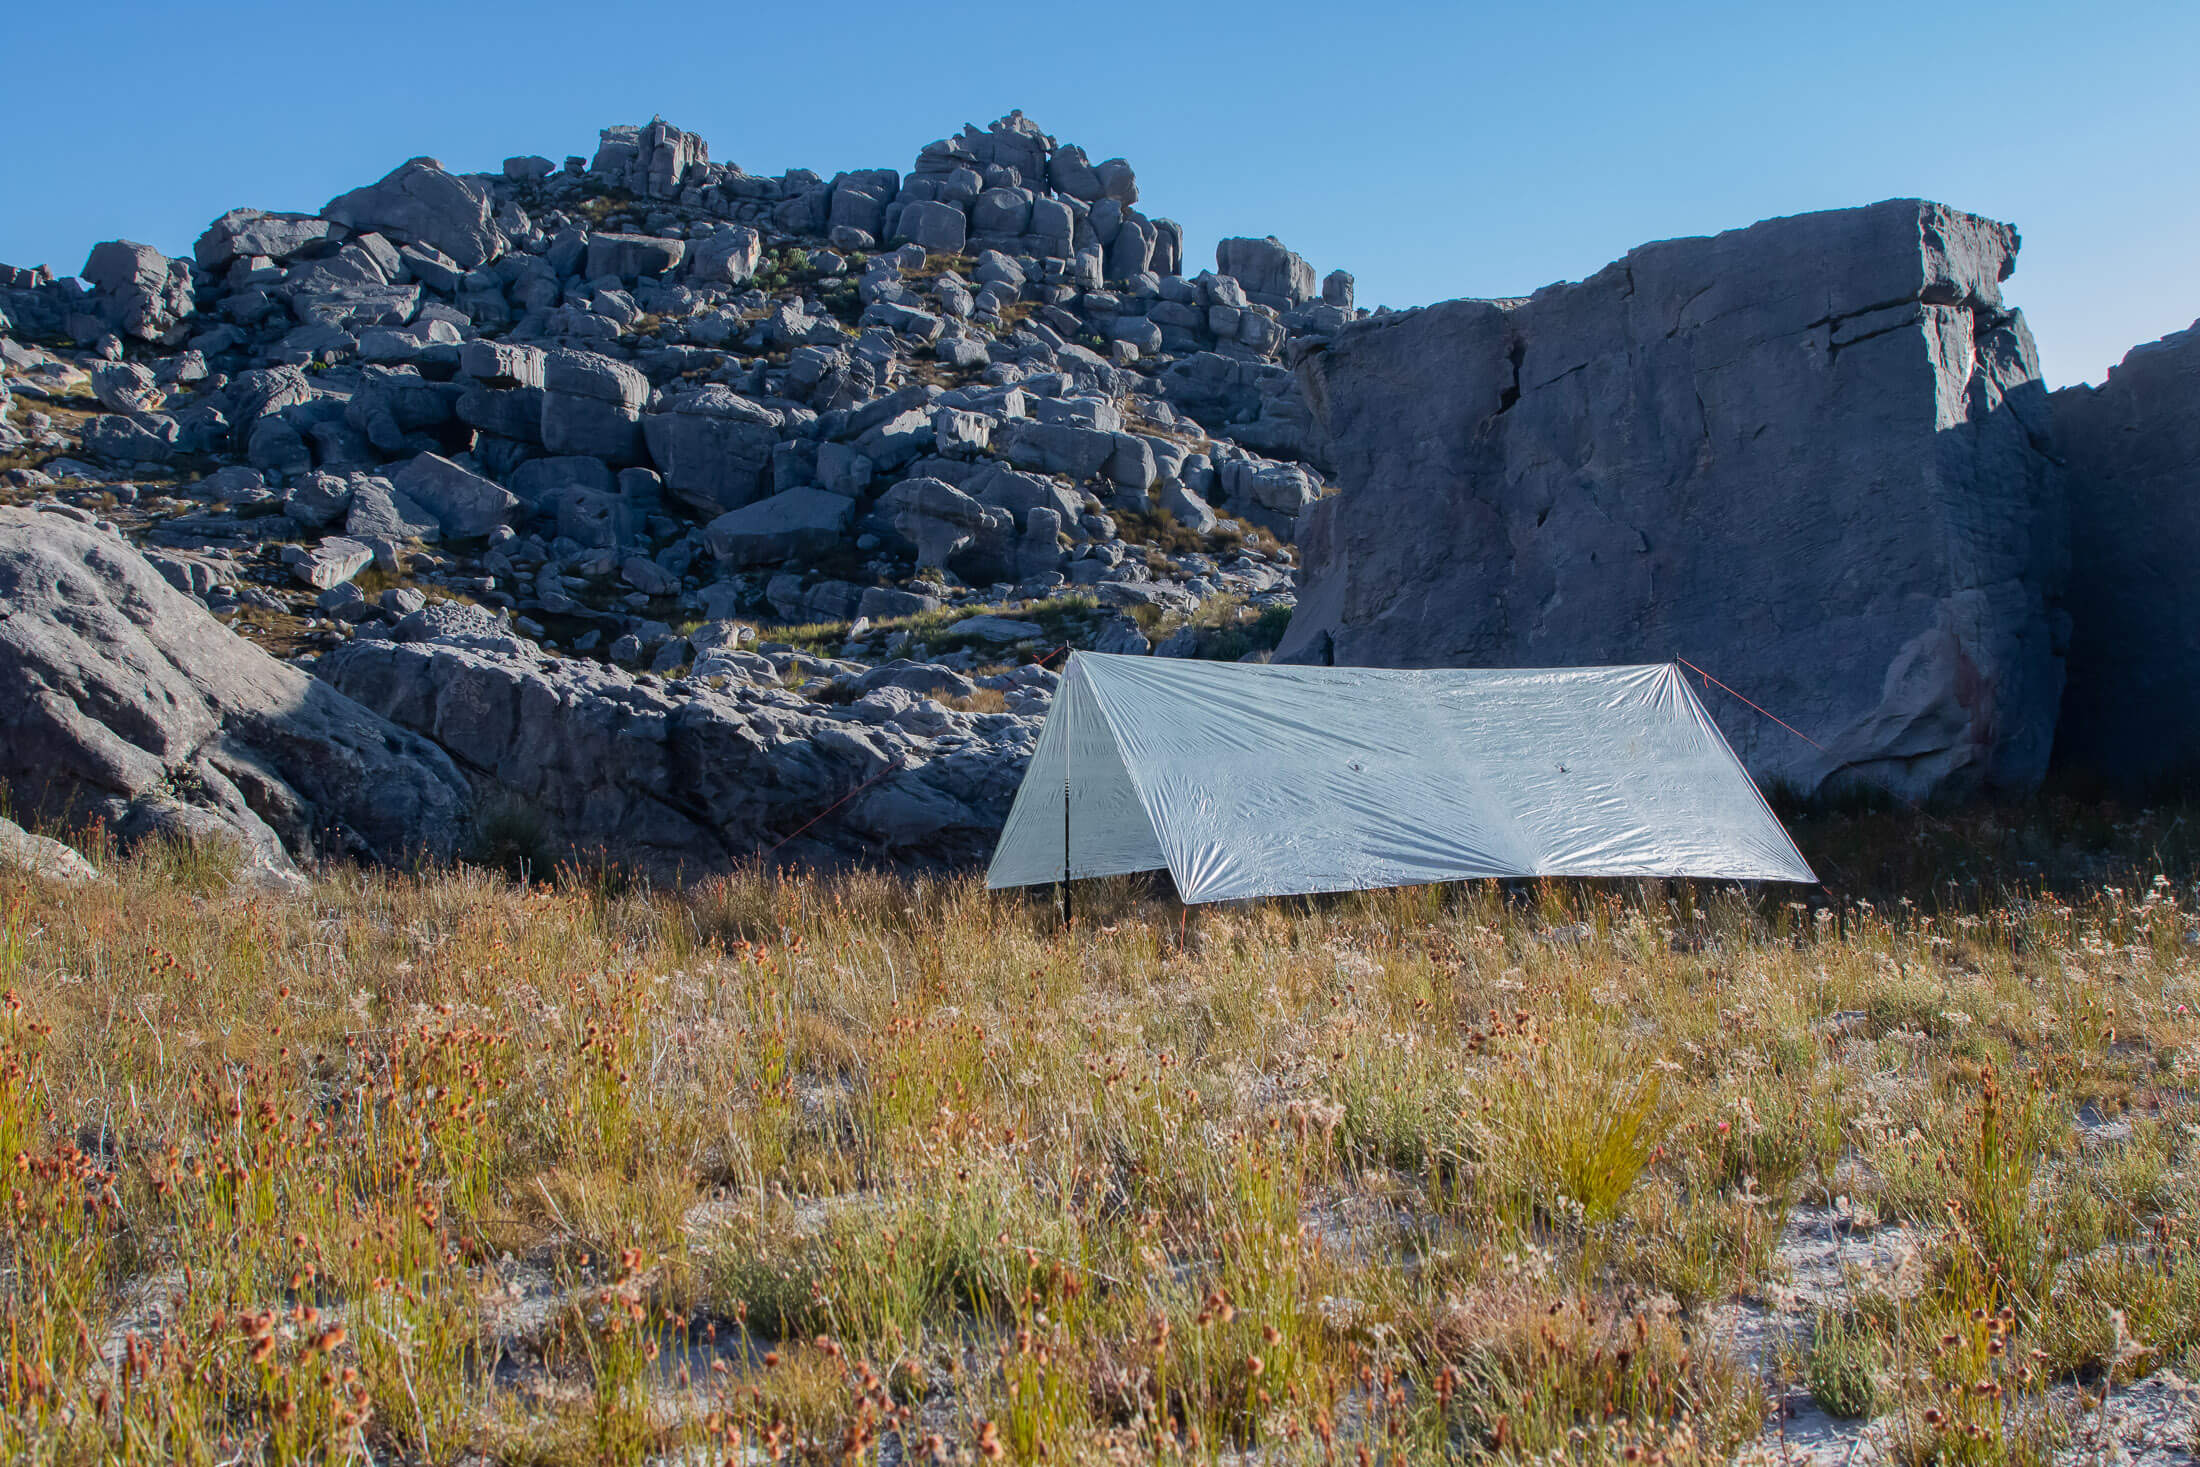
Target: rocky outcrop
{"type": "Point", "coordinates": [2131, 714]}
{"type": "Point", "coordinates": [1811, 455]}
{"type": "Point", "coordinates": [122, 699]}
{"type": "Point", "coordinates": [419, 204]}
{"type": "Point", "coordinates": [701, 774]}
{"type": "Point", "coordinates": [140, 291]}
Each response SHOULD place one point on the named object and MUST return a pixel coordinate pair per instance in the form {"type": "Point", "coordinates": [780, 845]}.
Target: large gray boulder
{"type": "Point", "coordinates": [592, 407]}
{"type": "Point", "coordinates": [1056, 448]}
{"type": "Point", "coordinates": [729, 257]}
{"type": "Point", "coordinates": [249, 232]}
{"type": "Point", "coordinates": [2132, 711]}
{"type": "Point", "coordinates": [122, 699]}
{"type": "Point", "coordinates": [1269, 272]}
{"type": "Point", "coordinates": [652, 160]}
{"type": "Point", "coordinates": [379, 512]}
{"type": "Point", "coordinates": [935, 227]}
{"type": "Point", "coordinates": [632, 255]}
{"type": "Point", "coordinates": [419, 203]}
{"type": "Point", "coordinates": [714, 447]}
{"type": "Point", "coordinates": [1809, 455]}
{"type": "Point", "coordinates": [139, 290]}
{"type": "Point", "coordinates": [687, 780]}
{"type": "Point", "coordinates": [803, 521]}
{"type": "Point", "coordinates": [465, 504]}
{"type": "Point", "coordinates": [941, 521]}
{"type": "Point", "coordinates": [39, 855]}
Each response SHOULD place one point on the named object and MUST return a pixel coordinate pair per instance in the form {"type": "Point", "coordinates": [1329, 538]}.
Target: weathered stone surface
{"type": "Point", "coordinates": [802, 521]}
{"type": "Point", "coordinates": [125, 387]}
{"type": "Point", "coordinates": [380, 512]}
{"type": "Point", "coordinates": [714, 448]}
{"type": "Point", "coordinates": [250, 232]}
{"type": "Point", "coordinates": [728, 257]}
{"type": "Point", "coordinates": [998, 630]}
{"type": "Point", "coordinates": [333, 562]}
{"type": "Point", "coordinates": [418, 203]}
{"type": "Point", "coordinates": [1808, 455]}
{"type": "Point", "coordinates": [1191, 511]}
{"type": "Point", "coordinates": [463, 502]}
{"type": "Point", "coordinates": [2131, 714]}
{"type": "Point", "coordinates": [133, 439]}
{"type": "Point", "coordinates": [886, 603]}
{"type": "Point", "coordinates": [514, 412]}
{"type": "Point", "coordinates": [960, 434]}
{"type": "Point", "coordinates": [922, 325]}
{"type": "Point", "coordinates": [39, 855]}
{"type": "Point", "coordinates": [122, 699]}
{"type": "Point", "coordinates": [1057, 448]}
{"type": "Point", "coordinates": [798, 599]}
{"type": "Point", "coordinates": [1266, 269]}
{"type": "Point", "coordinates": [648, 577]}
{"type": "Point", "coordinates": [941, 520]}
{"type": "Point", "coordinates": [632, 255]}
{"type": "Point", "coordinates": [934, 226]}
{"type": "Point", "coordinates": [500, 364]}
{"type": "Point", "coordinates": [653, 160]}
{"type": "Point", "coordinates": [696, 782]}
{"type": "Point", "coordinates": [592, 407]}
{"type": "Point", "coordinates": [317, 499]}
{"type": "Point", "coordinates": [140, 291]}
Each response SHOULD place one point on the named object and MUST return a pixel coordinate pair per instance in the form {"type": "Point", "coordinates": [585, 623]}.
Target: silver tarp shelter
{"type": "Point", "coordinates": [1246, 780]}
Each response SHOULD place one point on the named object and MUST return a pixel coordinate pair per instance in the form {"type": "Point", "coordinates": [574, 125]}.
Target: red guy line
{"type": "Point", "coordinates": [1776, 718]}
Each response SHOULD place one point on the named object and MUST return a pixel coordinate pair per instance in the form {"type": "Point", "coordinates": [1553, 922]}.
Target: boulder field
{"type": "Point", "coordinates": [124, 701]}
{"type": "Point", "coordinates": [645, 510]}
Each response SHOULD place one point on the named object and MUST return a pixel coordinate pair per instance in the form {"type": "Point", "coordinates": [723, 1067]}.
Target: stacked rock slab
{"type": "Point", "coordinates": [1812, 454]}
{"type": "Point", "coordinates": [2131, 714]}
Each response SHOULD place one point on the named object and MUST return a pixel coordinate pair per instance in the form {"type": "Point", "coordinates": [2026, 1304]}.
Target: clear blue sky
{"type": "Point", "coordinates": [1434, 150]}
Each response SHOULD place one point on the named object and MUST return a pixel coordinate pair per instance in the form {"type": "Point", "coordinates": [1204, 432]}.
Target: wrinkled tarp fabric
{"type": "Point", "coordinates": [1247, 780]}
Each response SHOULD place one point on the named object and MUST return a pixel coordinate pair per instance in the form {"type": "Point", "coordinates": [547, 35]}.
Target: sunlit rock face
{"type": "Point", "coordinates": [1812, 456]}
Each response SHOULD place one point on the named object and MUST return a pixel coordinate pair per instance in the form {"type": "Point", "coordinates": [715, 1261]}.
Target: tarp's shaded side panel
{"type": "Point", "coordinates": [1025, 855]}
{"type": "Point", "coordinates": [1265, 781]}
{"type": "Point", "coordinates": [1109, 832]}
{"type": "Point", "coordinates": [1797, 868]}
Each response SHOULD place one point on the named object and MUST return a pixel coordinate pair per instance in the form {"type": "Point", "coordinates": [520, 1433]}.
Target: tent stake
{"type": "Point", "coordinates": [1065, 852]}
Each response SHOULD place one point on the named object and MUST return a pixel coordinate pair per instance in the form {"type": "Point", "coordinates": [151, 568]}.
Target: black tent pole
{"type": "Point", "coordinates": [1065, 850]}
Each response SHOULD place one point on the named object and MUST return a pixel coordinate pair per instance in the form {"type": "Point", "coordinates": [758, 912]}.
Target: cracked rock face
{"type": "Point", "coordinates": [1810, 455]}
{"type": "Point", "coordinates": [586, 760]}
{"type": "Point", "coordinates": [2132, 711]}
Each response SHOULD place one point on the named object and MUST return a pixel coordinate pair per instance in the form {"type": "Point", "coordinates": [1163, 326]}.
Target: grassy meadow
{"type": "Point", "coordinates": [449, 1168]}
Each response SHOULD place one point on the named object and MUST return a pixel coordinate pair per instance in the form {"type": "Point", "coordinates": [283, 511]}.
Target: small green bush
{"type": "Point", "coordinates": [1840, 1371]}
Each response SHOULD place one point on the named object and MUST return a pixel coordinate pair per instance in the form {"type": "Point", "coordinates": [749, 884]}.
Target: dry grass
{"type": "Point", "coordinates": [984, 700]}
{"type": "Point", "coordinates": [424, 1167]}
